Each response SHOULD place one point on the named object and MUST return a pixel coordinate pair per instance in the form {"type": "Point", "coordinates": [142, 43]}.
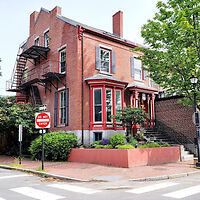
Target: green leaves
{"type": "Point", "coordinates": [173, 37]}
{"type": "Point", "coordinates": [57, 146]}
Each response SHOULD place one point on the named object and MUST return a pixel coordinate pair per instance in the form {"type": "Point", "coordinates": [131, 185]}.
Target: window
{"type": "Point", "coordinates": [46, 39]}
{"type": "Point", "coordinates": [97, 136]}
{"type": "Point", "coordinates": [63, 61]}
{"type": "Point", "coordinates": [37, 41]}
{"type": "Point", "coordinates": [138, 69]}
{"type": "Point", "coordinates": [97, 105]}
{"type": "Point", "coordinates": [104, 60]}
{"type": "Point", "coordinates": [108, 105]}
{"type": "Point", "coordinates": [118, 100]}
{"type": "Point", "coordinates": [62, 107]}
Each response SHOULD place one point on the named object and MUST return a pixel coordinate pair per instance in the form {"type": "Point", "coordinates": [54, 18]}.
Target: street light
{"type": "Point", "coordinates": [194, 81]}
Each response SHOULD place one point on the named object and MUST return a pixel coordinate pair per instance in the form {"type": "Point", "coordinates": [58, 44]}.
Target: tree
{"type": "Point", "coordinates": [173, 56]}
{"type": "Point", "coordinates": [130, 116]}
{"type": "Point", "coordinates": [11, 115]}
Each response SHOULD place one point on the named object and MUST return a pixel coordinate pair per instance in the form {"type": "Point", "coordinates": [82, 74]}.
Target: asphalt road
{"type": "Point", "coordinates": [22, 186]}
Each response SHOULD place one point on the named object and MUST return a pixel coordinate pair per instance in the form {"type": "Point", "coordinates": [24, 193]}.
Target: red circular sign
{"type": "Point", "coordinates": [42, 120]}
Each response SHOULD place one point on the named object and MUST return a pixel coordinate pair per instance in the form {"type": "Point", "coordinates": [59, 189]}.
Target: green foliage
{"type": "Point", "coordinates": [126, 146]}
{"type": "Point", "coordinates": [130, 115]}
{"type": "Point", "coordinates": [165, 145]}
{"type": "Point", "coordinates": [149, 145]}
{"type": "Point", "coordinates": [94, 144]}
{"type": "Point", "coordinates": [173, 56]}
{"type": "Point", "coordinates": [57, 146]}
{"type": "Point", "coordinates": [117, 139]}
{"type": "Point", "coordinates": [11, 116]}
{"type": "Point", "coordinates": [99, 146]}
{"type": "Point", "coordinates": [139, 136]}
{"type": "Point", "coordinates": [131, 140]}
{"type": "Point", "coordinates": [108, 146]}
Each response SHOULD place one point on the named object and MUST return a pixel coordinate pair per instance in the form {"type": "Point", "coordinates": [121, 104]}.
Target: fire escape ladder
{"type": "Point", "coordinates": [18, 71]}
{"type": "Point", "coordinates": [35, 95]}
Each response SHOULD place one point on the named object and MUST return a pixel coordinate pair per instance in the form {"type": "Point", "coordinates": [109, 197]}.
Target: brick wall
{"type": "Point", "coordinates": [176, 120]}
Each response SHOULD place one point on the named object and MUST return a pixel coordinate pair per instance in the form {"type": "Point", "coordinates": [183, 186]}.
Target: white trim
{"type": "Point", "coordinates": [110, 58]}
{"type": "Point", "coordinates": [101, 105]}
{"type": "Point", "coordinates": [46, 30]}
{"type": "Point", "coordinates": [38, 40]}
{"type": "Point", "coordinates": [111, 105]}
{"type": "Point", "coordinates": [62, 47]}
{"type": "Point", "coordinates": [62, 88]}
{"type": "Point", "coordinates": [105, 47]}
{"type": "Point", "coordinates": [60, 60]}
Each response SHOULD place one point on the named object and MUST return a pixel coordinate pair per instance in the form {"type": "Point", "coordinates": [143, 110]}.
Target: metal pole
{"type": "Point", "coordinates": [42, 149]}
{"type": "Point", "coordinates": [20, 152]}
{"type": "Point", "coordinates": [197, 126]}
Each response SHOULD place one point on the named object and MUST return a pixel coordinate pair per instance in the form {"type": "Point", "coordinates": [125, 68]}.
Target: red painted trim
{"type": "Point", "coordinates": [104, 106]}
{"type": "Point", "coordinates": [91, 108]}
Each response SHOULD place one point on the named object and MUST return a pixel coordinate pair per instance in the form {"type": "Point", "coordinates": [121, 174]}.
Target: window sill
{"type": "Point", "coordinates": [105, 73]}
{"type": "Point", "coordinates": [60, 126]}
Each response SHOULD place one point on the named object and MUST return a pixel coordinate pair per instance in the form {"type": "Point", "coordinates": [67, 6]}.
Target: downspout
{"type": "Point", "coordinates": [82, 85]}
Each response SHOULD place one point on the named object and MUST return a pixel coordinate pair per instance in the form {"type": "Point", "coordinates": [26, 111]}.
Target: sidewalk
{"type": "Point", "coordinates": [91, 172]}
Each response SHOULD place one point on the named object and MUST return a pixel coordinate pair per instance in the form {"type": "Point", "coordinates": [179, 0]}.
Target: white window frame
{"type": "Point", "coordinates": [45, 41]}
{"type": "Point", "coordinates": [109, 51]}
{"type": "Point", "coordinates": [94, 105]}
{"type": "Point", "coordinates": [61, 122]}
{"type": "Point", "coordinates": [37, 39]}
{"type": "Point", "coordinates": [108, 89]}
{"type": "Point", "coordinates": [60, 52]}
{"type": "Point", "coordinates": [116, 98]}
{"type": "Point", "coordinates": [138, 69]}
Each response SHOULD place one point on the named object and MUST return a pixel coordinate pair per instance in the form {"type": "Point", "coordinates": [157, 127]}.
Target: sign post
{"type": "Point", "coordinates": [42, 121]}
{"type": "Point", "coordinates": [20, 143]}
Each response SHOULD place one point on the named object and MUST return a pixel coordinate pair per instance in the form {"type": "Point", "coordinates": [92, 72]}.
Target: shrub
{"type": "Point", "coordinates": [131, 140]}
{"type": "Point", "coordinates": [149, 145]}
{"type": "Point", "coordinates": [94, 144]}
{"type": "Point", "coordinates": [57, 146]}
{"type": "Point", "coordinates": [105, 141]}
{"type": "Point", "coordinates": [139, 136]}
{"type": "Point", "coordinates": [99, 146]}
{"type": "Point", "coordinates": [109, 146]}
{"type": "Point", "coordinates": [116, 139]}
{"type": "Point", "coordinates": [126, 146]}
{"type": "Point", "coordinates": [165, 145]}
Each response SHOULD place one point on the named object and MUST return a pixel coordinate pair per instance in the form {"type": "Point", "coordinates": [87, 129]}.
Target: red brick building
{"type": "Point", "coordinates": [82, 74]}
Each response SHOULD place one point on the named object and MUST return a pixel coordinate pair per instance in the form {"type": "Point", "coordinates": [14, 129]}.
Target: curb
{"type": "Point", "coordinates": [165, 177]}
{"type": "Point", "coordinates": [43, 174]}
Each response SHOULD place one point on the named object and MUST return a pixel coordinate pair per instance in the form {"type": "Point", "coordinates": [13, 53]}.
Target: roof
{"type": "Point", "coordinates": [100, 76]}
{"type": "Point", "coordinates": [105, 33]}
{"type": "Point", "coordinates": [142, 86]}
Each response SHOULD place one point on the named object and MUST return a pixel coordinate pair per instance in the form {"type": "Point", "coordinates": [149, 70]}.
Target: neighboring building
{"type": "Point", "coordinates": [82, 74]}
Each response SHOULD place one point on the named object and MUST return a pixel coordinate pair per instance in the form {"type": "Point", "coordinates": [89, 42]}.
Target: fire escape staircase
{"type": "Point", "coordinates": [13, 85]}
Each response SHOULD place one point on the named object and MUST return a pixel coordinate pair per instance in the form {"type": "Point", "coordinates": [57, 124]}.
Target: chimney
{"type": "Point", "coordinates": [118, 24]}
{"type": "Point", "coordinates": [56, 11]}
{"type": "Point", "coordinates": [33, 18]}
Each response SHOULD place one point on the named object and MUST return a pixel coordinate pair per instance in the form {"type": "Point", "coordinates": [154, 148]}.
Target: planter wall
{"type": "Point", "coordinates": [126, 157]}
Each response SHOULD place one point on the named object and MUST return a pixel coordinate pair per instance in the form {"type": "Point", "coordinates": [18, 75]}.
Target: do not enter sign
{"type": "Point", "coordinates": [42, 120]}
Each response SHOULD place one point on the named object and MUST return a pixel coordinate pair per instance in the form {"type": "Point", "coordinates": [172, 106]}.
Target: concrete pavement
{"type": "Point", "coordinates": [94, 172]}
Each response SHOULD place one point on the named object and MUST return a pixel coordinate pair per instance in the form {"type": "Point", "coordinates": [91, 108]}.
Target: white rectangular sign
{"type": "Point", "coordinates": [20, 133]}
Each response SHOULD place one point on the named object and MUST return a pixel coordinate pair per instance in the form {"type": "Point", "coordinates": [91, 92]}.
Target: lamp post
{"type": "Point", "coordinates": [194, 81]}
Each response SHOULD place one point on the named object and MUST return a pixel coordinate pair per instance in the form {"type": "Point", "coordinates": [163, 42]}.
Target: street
{"type": "Point", "coordinates": [20, 186]}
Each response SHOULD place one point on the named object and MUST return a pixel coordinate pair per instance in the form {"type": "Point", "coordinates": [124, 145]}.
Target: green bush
{"type": "Point", "coordinates": [131, 140]}
{"type": "Point", "coordinates": [117, 139]}
{"type": "Point", "coordinates": [57, 146]}
{"type": "Point", "coordinates": [94, 144]}
{"type": "Point", "coordinates": [139, 136]}
{"type": "Point", "coordinates": [149, 145]}
{"type": "Point", "coordinates": [99, 146]}
{"type": "Point", "coordinates": [126, 146]}
{"type": "Point", "coordinates": [108, 146]}
{"type": "Point", "coordinates": [165, 145]}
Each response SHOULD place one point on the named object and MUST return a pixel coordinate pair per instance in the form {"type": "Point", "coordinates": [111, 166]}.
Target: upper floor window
{"type": "Point", "coordinates": [105, 60]}
{"type": "Point", "coordinates": [37, 41]}
{"type": "Point", "coordinates": [46, 39]}
{"type": "Point", "coordinates": [138, 69]}
{"type": "Point", "coordinates": [63, 60]}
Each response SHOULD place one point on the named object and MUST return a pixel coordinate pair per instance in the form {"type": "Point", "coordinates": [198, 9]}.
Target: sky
{"type": "Point", "coordinates": [14, 22]}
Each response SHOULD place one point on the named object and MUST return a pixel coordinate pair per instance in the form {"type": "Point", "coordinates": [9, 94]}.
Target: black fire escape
{"type": "Point", "coordinates": [28, 87]}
